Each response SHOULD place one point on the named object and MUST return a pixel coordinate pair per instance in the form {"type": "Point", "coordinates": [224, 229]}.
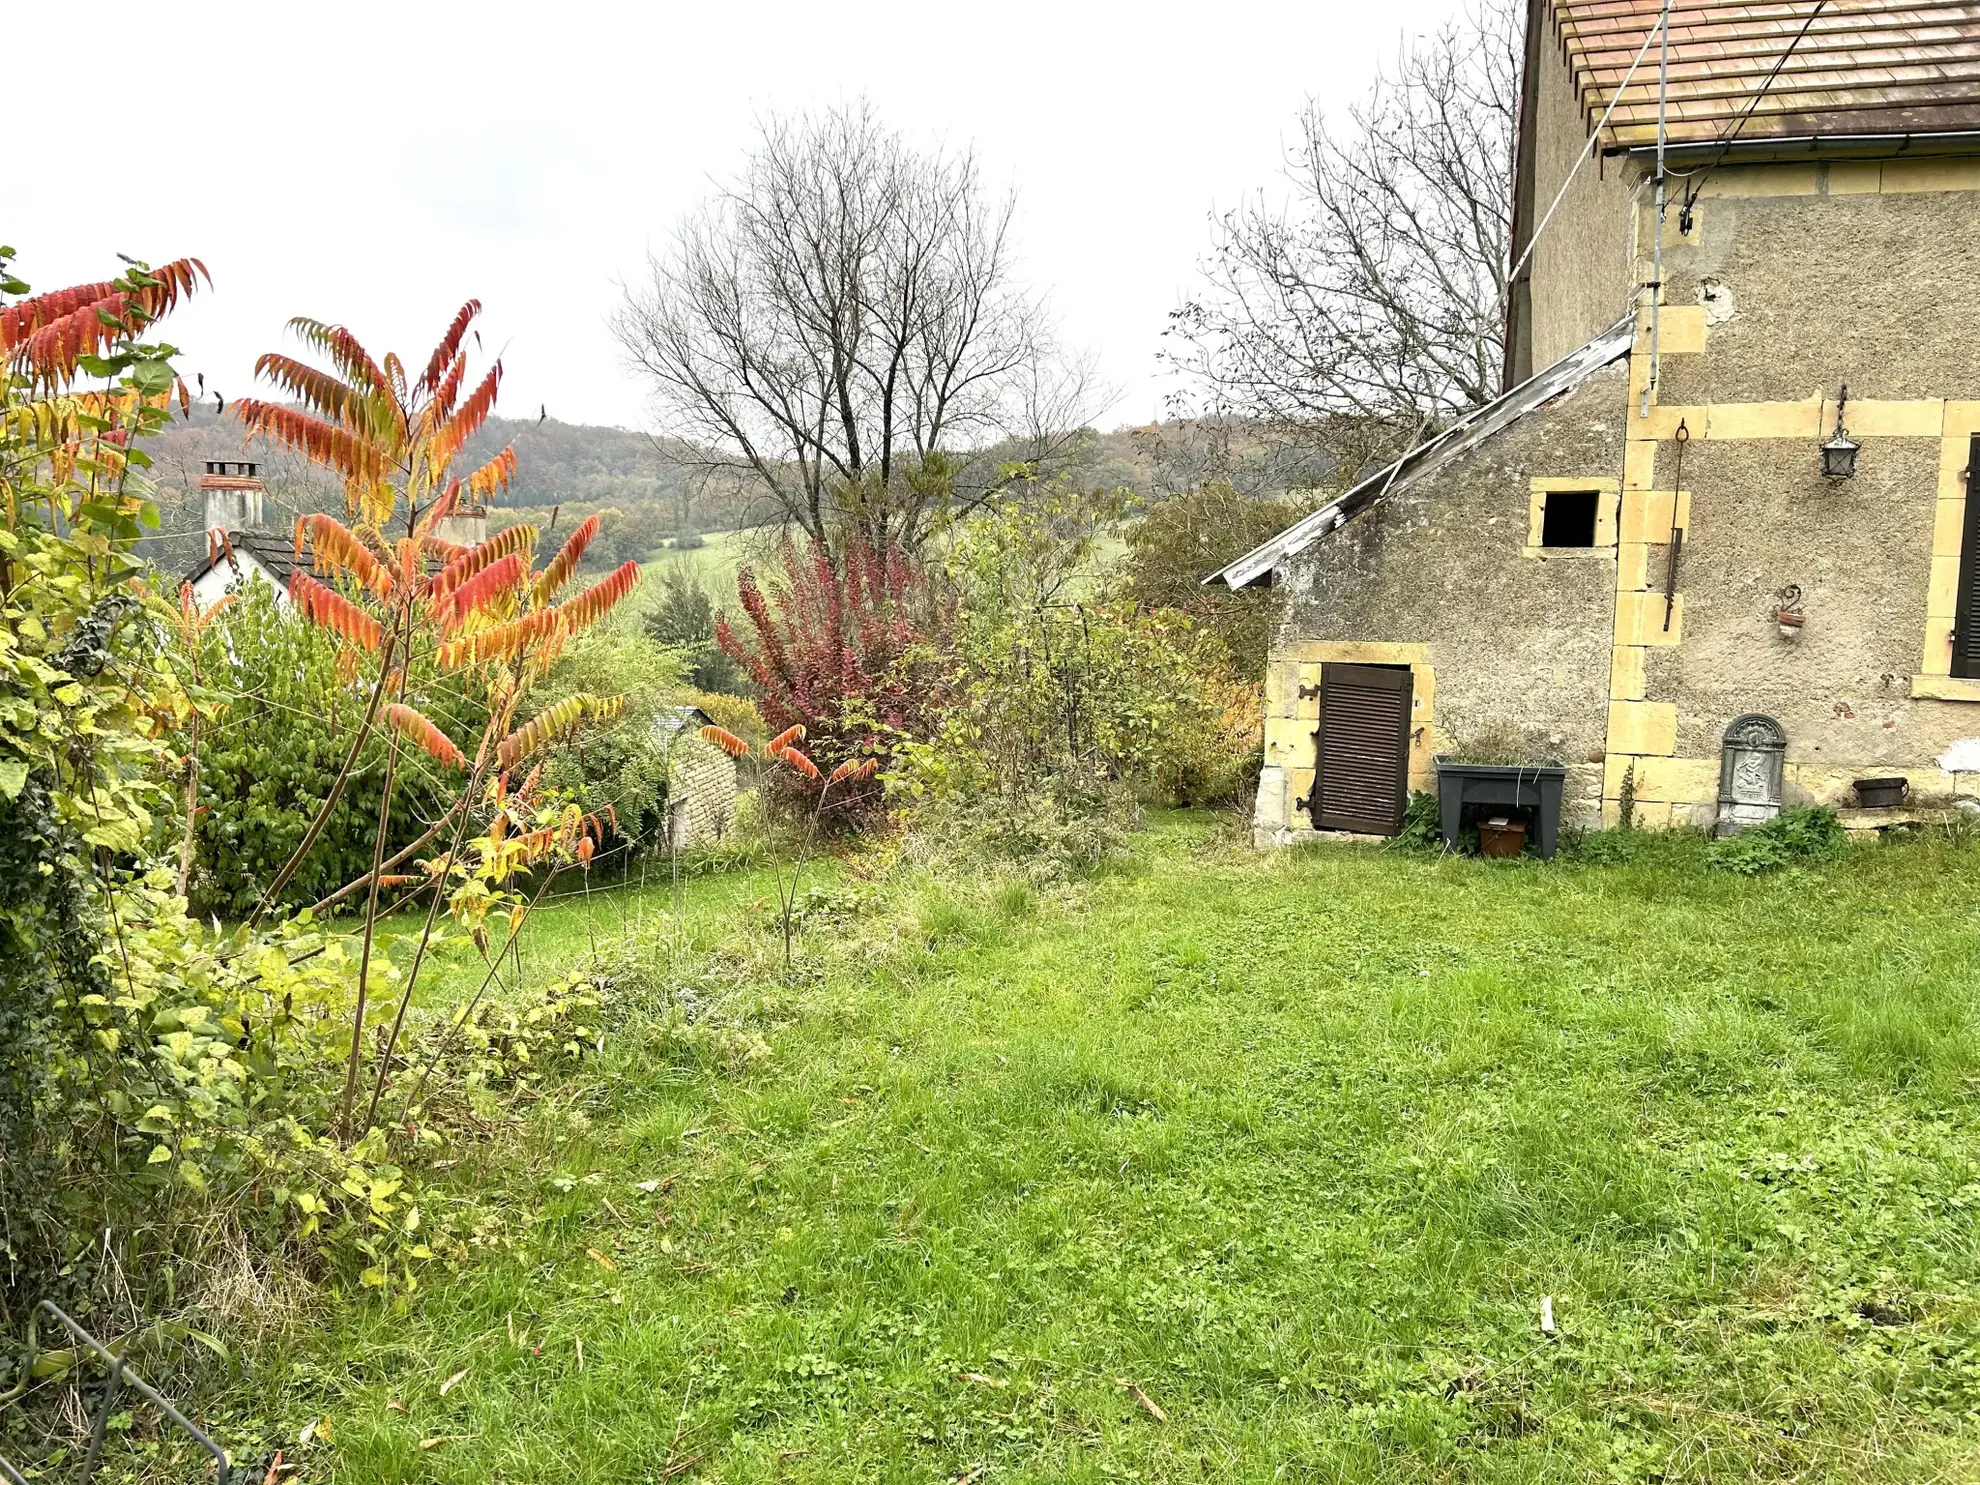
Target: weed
{"type": "Point", "coordinates": [1803, 836]}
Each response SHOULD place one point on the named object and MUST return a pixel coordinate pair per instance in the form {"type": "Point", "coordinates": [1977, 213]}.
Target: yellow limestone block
{"type": "Point", "coordinates": [1948, 526]}
{"type": "Point", "coordinates": [1770, 419]}
{"type": "Point", "coordinates": [1305, 706]}
{"type": "Point", "coordinates": [1942, 598]}
{"type": "Point", "coordinates": [1646, 515]}
{"type": "Point", "coordinates": [1681, 329]}
{"type": "Point", "coordinates": [1962, 421]}
{"type": "Point", "coordinates": [1869, 419]}
{"type": "Point", "coordinates": [1903, 177]}
{"type": "Point", "coordinates": [1954, 455]}
{"type": "Point", "coordinates": [1632, 566]}
{"type": "Point", "coordinates": [1626, 673]}
{"type": "Point", "coordinates": [1677, 780]}
{"type": "Point", "coordinates": [1944, 687]}
{"type": "Point", "coordinates": [1640, 619]}
{"type": "Point", "coordinates": [1936, 657]}
{"type": "Point", "coordinates": [1288, 742]}
{"type": "Point", "coordinates": [1855, 178]}
{"type": "Point", "coordinates": [1360, 652]}
{"type": "Point", "coordinates": [1663, 422]}
{"type": "Point", "coordinates": [1652, 814]}
{"type": "Point", "coordinates": [1762, 180]}
{"type": "Point", "coordinates": [1422, 694]}
{"type": "Point", "coordinates": [1299, 784]}
{"type": "Point", "coordinates": [1640, 458]}
{"type": "Point", "coordinates": [1643, 727]}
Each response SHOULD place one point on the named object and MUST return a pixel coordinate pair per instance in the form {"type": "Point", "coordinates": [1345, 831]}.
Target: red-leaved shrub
{"type": "Point", "coordinates": [848, 650]}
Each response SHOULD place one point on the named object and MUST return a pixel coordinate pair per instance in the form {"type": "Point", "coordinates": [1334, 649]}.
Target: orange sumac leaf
{"type": "Point", "coordinates": [436, 743]}
{"type": "Point", "coordinates": [601, 597]}
{"type": "Point", "coordinates": [801, 763]}
{"type": "Point", "coordinates": [724, 739]}
{"type": "Point", "coordinates": [482, 589]}
{"type": "Point", "coordinates": [355, 458]}
{"type": "Point", "coordinates": [316, 389]}
{"type": "Point", "coordinates": [520, 540]}
{"type": "Point", "coordinates": [494, 476]}
{"type": "Point", "coordinates": [777, 744]}
{"type": "Point", "coordinates": [333, 548]}
{"type": "Point", "coordinates": [452, 436]}
{"type": "Point", "coordinates": [540, 633]}
{"type": "Point", "coordinates": [554, 720]}
{"type": "Point", "coordinates": [333, 611]}
{"type": "Point", "coordinates": [561, 566]}
{"type": "Point", "coordinates": [450, 344]}
{"type": "Point", "coordinates": [444, 552]}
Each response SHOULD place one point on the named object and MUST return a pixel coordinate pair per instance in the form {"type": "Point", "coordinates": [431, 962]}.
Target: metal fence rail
{"type": "Point", "coordinates": [121, 1376]}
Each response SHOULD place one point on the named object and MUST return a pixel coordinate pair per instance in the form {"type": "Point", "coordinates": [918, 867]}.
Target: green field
{"type": "Point", "coordinates": [715, 563]}
{"type": "Point", "coordinates": [1237, 1168]}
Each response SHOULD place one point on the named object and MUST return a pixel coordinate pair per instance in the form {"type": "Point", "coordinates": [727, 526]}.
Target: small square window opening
{"type": "Point", "coordinates": [1568, 518]}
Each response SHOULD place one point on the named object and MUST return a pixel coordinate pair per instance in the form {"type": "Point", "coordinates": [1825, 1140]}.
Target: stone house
{"type": "Point", "coordinates": [1645, 544]}
{"type": "Point", "coordinates": [701, 779]}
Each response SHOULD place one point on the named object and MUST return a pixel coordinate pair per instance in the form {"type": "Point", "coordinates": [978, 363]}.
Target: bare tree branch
{"type": "Point", "coordinates": [1376, 299]}
{"type": "Point", "coordinates": [840, 324]}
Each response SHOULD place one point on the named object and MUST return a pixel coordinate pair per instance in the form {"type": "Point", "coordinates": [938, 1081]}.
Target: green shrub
{"type": "Point", "coordinates": [271, 757]}
{"type": "Point", "coordinates": [621, 765]}
{"type": "Point", "coordinates": [1422, 827]}
{"type": "Point", "coordinates": [1802, 836]}
{"type": "Point", "coordinates": [683, 622]}
{"type": "Point", "coordinates": [1053, 691]}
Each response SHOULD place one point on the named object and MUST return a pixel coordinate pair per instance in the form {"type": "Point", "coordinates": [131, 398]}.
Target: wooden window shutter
{"type": "Point", "coordinates": [1361, 772]}
{"type": "Point", "coordinates": [1966, 621]}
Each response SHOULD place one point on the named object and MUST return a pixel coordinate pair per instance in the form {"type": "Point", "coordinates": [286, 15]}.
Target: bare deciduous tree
{"type": "Point", "coordinates": [841, 324]}
{"type": "Point", "coordinates": [1374, 301]}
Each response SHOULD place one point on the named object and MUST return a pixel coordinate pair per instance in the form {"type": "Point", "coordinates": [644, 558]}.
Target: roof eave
{"type": "Point", "coordinates": [1474, 427]}
{"type": "Point", "coordinates": [1814, 146]}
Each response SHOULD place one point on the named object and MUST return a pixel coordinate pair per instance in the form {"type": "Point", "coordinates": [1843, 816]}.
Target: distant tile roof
{"type": "Point", "coordinates": [674, 718]}
{"type": "Point", "coordinates": [1861, 67]}
{"type": "Point", "coordinates": [274, 554]}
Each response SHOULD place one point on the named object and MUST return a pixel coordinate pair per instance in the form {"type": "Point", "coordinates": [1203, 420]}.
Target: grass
{"type": "Point", "coordinates": [716, 562]}
{"type": "Point", "coordinates": [1247, 1168]}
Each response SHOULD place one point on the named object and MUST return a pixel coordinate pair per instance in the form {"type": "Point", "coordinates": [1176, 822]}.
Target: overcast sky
{"type": "Point", "coordinates": [377, 164]}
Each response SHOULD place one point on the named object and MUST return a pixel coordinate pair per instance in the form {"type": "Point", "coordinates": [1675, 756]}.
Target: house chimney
{"type": "Point", "coordinates": [466, 527]}
{"type": "Point", "coordinates": [232, 495]}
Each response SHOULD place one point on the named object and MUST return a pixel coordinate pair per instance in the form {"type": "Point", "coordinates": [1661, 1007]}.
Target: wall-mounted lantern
{"type": "Point", "coordinates": [1839, 453]}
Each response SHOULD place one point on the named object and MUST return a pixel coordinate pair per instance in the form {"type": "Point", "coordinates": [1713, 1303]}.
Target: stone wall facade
{"type": "Point", "coordinates": [1786, 281]}
{"type": "Point", "coordinates": [701, 792]}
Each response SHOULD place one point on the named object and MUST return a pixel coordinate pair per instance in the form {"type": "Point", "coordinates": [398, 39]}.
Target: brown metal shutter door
{"type": "Point", "coordinates": [1966, 623]}
{"type": "Point", "coordinates": [1362, 771]}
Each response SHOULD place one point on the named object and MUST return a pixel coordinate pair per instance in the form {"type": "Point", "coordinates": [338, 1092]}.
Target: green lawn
{"type": "Point", "coordinates": [1230, 1167]}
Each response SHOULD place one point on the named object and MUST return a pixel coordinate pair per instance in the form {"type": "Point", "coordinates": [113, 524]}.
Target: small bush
{"type": "Point", "coordinates": [1064, 829]}
{"type": "Point", "coordinates": [1423, 826]}
{"type": "Point", "coordinates": [1802, 836]}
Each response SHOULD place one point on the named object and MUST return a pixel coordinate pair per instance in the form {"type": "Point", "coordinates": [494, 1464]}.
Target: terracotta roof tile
{"type": "Point", "coordinates": [1856, 67]}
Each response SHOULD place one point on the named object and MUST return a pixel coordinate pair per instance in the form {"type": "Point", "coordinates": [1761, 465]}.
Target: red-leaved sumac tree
{"type": "Point", "coordinates": [851, 651]}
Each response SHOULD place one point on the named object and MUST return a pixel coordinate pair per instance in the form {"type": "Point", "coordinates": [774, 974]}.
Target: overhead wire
{"type": "Point", "coordinates": [1726, 143]}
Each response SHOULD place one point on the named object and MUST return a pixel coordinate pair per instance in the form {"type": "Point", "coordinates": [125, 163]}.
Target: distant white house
{"type": "Point", "coordinates": [239, 545]}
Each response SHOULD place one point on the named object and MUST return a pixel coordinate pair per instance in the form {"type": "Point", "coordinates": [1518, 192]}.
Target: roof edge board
{"type": "Point", "coordinates": [1474, 427]}
{"type": "Point", "coordinates": [1804, 146]}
